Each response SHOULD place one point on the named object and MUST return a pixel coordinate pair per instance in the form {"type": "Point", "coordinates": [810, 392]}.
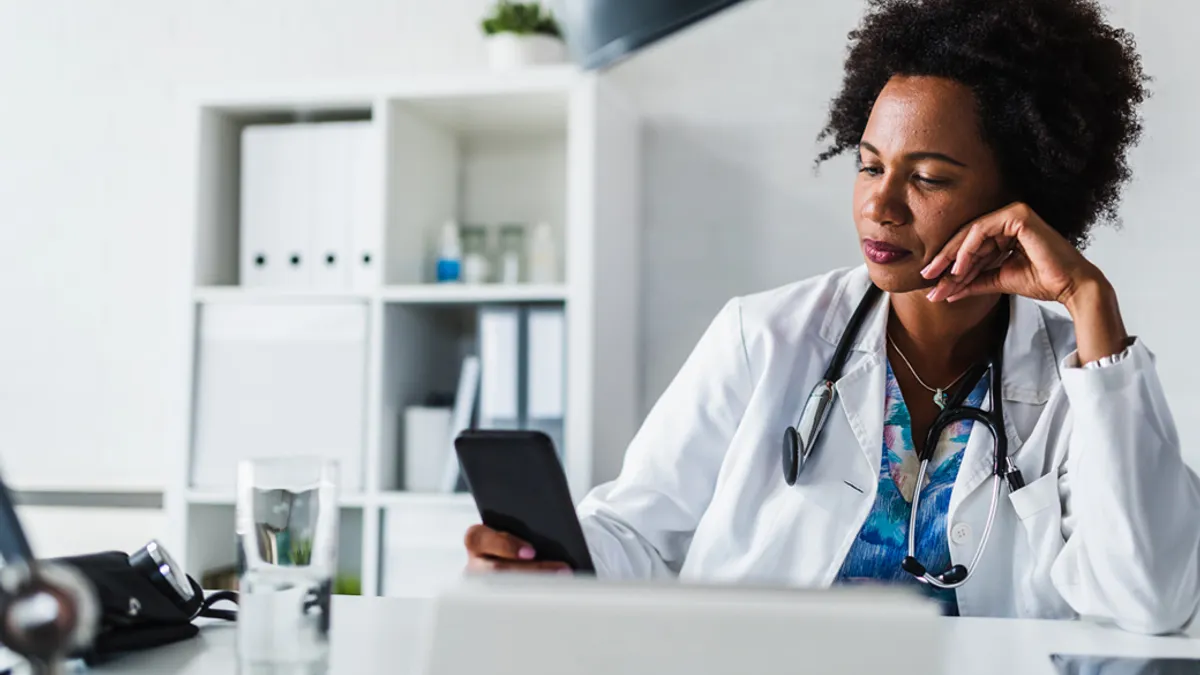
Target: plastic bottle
{"type": "Point", "coordinates": [543, 256]}
{"type": "Point", "coordinates": [449, 261]}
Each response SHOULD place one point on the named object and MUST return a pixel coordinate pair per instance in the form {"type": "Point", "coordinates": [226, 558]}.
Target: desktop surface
{"type": "Point", "coordinates": [384, 635]}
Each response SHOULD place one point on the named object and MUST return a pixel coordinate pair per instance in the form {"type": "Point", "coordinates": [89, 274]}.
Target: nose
{"type": "Point", "coordinates": [886, 203]}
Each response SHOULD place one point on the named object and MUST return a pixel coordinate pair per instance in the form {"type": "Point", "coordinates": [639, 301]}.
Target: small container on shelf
{"type": "Point", "coordinates": [512, 253]}
{"type": "Point", "coordinates": [449, 257]}
{"type": "Point", "coordinates": [475, 263]}
{"type": "Point", "coordinates": [543, 256]}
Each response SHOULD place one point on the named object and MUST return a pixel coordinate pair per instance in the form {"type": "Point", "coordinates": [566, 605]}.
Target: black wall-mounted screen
{"type": "Point", "coordinates": [601, 32]}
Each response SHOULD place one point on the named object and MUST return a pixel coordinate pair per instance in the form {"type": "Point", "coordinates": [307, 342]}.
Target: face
{"type": "Point", "coordinates": [925, 172]}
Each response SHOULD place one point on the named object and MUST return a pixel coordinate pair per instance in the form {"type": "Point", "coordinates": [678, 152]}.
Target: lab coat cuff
{"type": "Point", "coordinates": [1072, 359]}
{"type": "Point", "coordinates": [1096, 380]}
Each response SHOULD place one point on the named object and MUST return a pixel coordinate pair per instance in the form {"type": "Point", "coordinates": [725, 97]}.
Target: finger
{"type": "Point", "coordinates": [944, 258]}
{"type": "Point", "coordinates": [981, 240]}
{"type": "Point", "coordinates": [987, 282]}
{"type": "Point", "coordinates": [542, 566]}
{"type": "Point", "coordinates": [981, 264]}
{"type": "Point", "coordinates": [483, 541]}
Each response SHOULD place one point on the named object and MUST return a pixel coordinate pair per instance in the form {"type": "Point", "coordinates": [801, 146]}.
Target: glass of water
{"type": "Point", "coordinates": [287, 533]}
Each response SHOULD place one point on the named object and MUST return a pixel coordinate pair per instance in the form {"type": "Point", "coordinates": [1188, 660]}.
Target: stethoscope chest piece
{"type": "Point", "coordinates": [791, 455]}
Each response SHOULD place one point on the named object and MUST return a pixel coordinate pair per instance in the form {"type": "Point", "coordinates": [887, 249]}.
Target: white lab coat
{"type": "Point", "coordinates": [1108, 524]}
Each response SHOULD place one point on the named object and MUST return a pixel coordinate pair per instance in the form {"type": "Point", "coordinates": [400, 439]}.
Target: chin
{"type": "Point", "coordinates": [898, 278]}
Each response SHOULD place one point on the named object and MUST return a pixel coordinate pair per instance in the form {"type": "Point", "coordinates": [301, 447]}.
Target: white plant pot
{"type": "Point", "coordinates": [509, 51]}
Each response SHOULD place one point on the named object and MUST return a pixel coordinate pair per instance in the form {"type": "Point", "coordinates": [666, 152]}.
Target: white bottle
{"type": "Point", "coordinates": [449, 261]}
{"type": "Point", "coordinates": [543, 256]}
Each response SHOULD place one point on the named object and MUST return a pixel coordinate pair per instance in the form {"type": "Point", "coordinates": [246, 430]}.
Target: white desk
{"type": "Point", "coordinates": [382, 636]}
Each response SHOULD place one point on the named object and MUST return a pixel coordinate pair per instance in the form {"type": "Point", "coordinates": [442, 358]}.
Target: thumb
{"type": "Point", "coordinates": [986, 283]}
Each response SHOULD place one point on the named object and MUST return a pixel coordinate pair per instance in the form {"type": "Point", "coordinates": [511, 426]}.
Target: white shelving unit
{"type": "Point", "coordinates": [549, 144]}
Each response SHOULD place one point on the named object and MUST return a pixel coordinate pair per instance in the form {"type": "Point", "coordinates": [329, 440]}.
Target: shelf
{"type": "Point", "coordinates": [232, 294]}
{"type": "Point", "coordinates": [350, 92]}
{"type": "Point", "coordinates": [473, 294]}
{"type": "Point", "coordinates": [228, 499]}
{"type": "Point", "coordinates": [453, 500]}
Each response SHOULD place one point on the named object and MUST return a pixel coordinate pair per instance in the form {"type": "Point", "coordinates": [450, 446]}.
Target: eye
{"type": "Point", "coordinates": [932, 182]}
{"type": "Point", "coordinates": [871, 170]}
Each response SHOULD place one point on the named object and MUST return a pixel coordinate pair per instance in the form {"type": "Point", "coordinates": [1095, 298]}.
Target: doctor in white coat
{"type": "Point", "coordinates": [979, 176]}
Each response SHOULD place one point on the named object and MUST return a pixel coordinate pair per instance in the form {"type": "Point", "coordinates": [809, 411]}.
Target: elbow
{"type": "Point", "coordinates": [1164, 619]}
{"type": "Point", "coordinates": [1168, 608]}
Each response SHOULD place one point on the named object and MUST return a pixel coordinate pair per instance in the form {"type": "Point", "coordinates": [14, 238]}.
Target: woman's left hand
{"type": "Point", "coordinates": [1012, 250]}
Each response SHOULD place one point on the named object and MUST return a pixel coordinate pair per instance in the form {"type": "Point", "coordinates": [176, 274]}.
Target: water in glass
{"type": "Point", "coordinates": [287, 519]}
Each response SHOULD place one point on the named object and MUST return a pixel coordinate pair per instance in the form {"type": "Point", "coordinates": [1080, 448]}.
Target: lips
{"type": "Point", "coordinates": [883, 253]}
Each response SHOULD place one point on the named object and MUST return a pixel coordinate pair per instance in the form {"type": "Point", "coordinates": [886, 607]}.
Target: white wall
{"type": "Point", "coordinates": [92, 228]}
{"type": "Point", "coordinates": [734, 107]}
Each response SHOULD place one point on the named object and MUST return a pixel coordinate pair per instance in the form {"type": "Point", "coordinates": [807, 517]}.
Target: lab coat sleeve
{"type": "Point", "coordinates": [1133, 552]}
{"type": "Point", "coordinates": [641, 524]}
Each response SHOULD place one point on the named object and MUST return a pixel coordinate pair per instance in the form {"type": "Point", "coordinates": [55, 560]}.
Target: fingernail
{"type": "Point", "coordinates": [930, 294]}
{"type": "Point", "coordinates": [926, 272]}
{"type": "Point", "coordinates": [954, 270]}
{"type": "Point", "coordinates": [525, 553]}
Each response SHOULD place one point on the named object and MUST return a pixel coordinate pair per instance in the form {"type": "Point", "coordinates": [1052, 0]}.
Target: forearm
{"type": "Point", "coordinates": [1135, 548]}
{"type": "Point", "coordinates": [1099, 329]}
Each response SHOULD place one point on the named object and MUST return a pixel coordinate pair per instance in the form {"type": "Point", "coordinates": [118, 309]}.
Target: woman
{"type": "Point", "coordinates": [991, 135]}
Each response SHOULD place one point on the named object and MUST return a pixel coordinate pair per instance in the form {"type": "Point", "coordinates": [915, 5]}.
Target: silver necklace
{"type": "Point", "coordinates": [939, 393]}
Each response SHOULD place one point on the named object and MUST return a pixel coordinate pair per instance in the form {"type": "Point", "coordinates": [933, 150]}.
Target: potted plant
{"type": "Point", "coordinates": [522, 34]}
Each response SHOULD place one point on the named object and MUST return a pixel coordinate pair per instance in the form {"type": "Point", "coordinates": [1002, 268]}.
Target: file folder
{"type": "Point", "coordinates": [500, 342]}
{"type": "Point", "coordinates": [333, 202]}
{"type": "Point", "coordinates": [545, 375]}
{"type": "Point", "coordinates": [259, 266]}
{"type": "Point", "coordinates": [366, 188]}
{"type": "Point", "coordinates": [277, 184]}
{"type": "Point", "coordinates": [546, 362]}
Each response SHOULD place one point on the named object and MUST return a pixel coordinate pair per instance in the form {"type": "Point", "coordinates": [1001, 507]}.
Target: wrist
{"type": "Point", "coordinates": [1099, 328]}
{"type": "Point", "coordinates": [1091, 293]}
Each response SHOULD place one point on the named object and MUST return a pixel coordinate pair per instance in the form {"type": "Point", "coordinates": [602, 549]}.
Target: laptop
{"type": "Point", "coordinates": [509, 624]}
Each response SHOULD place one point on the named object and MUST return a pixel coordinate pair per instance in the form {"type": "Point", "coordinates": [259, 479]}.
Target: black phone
{"type": "Point", "coordinates": [1087, 664]}
{"type": "Point", "coordinates": [520, 488]}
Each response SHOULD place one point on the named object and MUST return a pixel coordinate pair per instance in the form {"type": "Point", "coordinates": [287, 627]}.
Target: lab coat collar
{"type": "Point", "coordinates": [1030, 368]}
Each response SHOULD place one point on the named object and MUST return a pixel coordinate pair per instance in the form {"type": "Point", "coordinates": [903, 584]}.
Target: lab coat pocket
{"type": "Point", "coordinates": [1039, 510]}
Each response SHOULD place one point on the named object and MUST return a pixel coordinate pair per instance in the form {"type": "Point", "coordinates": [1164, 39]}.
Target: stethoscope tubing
{"type": "Point", "coordinates": [798, 445]}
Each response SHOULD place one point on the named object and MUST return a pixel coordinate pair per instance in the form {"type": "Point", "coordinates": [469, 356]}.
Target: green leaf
{"type": "Point", "coordinates": [522, 18]}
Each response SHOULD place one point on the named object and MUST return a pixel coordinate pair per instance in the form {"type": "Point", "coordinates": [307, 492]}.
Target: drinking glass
{"type": "Point", "coordinates": [287, 522]}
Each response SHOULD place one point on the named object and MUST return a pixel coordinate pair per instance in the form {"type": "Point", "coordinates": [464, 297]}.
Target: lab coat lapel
{"type": "Point", "coordinates": [861, 392]}
{"type": "Point", "coordinates": [863, 386]}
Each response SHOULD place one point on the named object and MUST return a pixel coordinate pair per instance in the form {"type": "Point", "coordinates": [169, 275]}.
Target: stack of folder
{"type": "Point", "coordinates": [310, 195]}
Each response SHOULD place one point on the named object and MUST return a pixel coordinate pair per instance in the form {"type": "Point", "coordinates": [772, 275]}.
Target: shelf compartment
{"type": "Point", "coordinates": [212, 547]}
{"type": "Point", "coordinates": [488, 159]}
{"type": "Point", "coordinates": [422, 546]}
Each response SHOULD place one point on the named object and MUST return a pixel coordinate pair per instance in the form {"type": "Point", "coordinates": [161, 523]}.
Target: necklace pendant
{"type": "Point", "coordinates": [939, 399]}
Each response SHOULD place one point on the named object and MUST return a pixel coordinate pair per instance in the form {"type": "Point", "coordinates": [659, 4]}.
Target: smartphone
{"type": "Point", "coordinates": [1078, 664]}
{"type": "Point", "coordinates": [520, 488]}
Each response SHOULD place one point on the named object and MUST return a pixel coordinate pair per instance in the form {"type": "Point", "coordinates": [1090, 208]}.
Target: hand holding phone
{"type": "Point", "coordinates": [490, 550]}
{"type": "Point", "coordinates": [521, 492]}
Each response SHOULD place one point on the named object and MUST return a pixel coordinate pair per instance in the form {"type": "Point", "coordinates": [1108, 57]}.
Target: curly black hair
{"type": "Point", "coordinates": [1057, 91]}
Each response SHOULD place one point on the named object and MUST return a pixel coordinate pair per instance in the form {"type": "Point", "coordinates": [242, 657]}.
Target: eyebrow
{"type": "Point", "coordinates": [917, 156]}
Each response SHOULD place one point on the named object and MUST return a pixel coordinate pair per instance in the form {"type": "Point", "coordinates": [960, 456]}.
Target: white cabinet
{"type": "Point", "coordinates": [546, 145]}
{"type": "Point", "coordinates": [423, 546]}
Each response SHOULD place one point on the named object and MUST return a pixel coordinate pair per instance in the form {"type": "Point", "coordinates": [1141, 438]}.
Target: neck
{"type": "Point", "coordinates": [942, 339]}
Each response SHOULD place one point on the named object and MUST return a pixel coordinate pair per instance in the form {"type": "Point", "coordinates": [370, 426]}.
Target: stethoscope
{"type": "Point", "coordinates": [799, 440]}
